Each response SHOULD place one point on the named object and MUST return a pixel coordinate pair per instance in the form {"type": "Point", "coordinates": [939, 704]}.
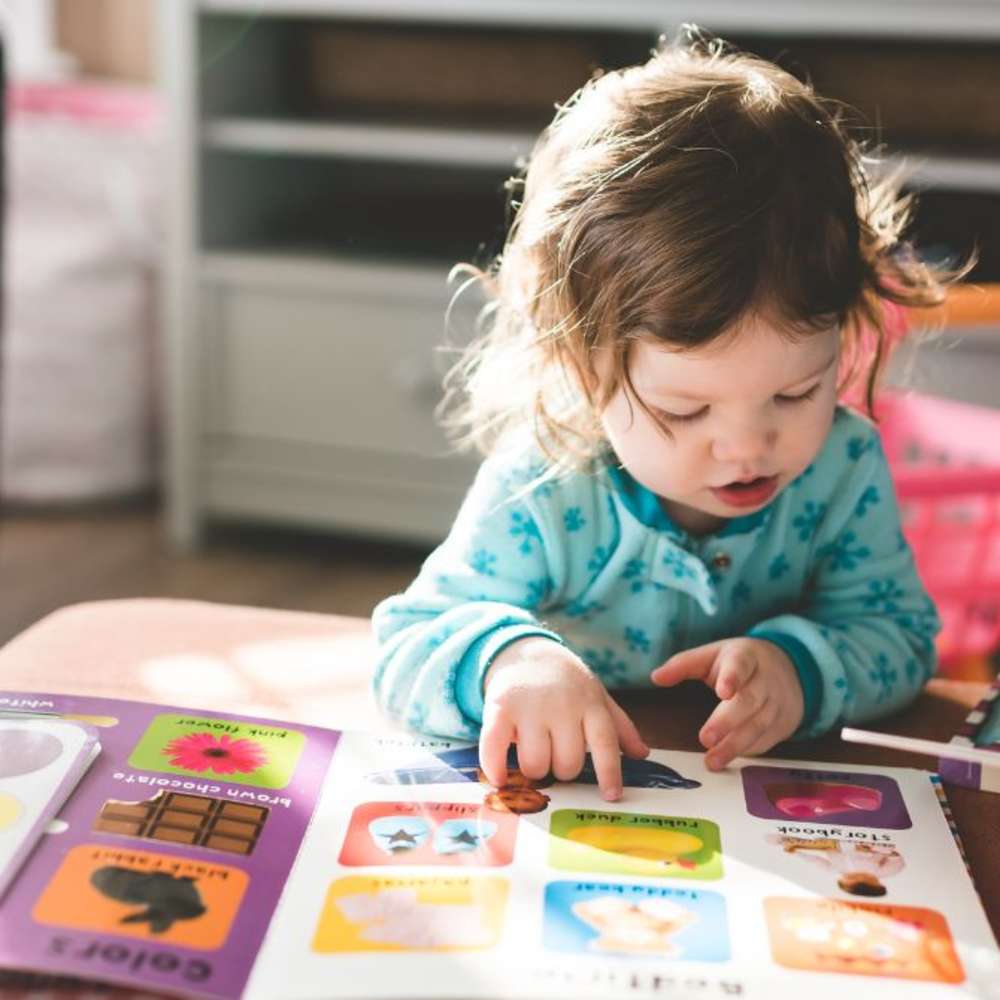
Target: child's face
{"type": "Point", "coordinates": [746, 415]}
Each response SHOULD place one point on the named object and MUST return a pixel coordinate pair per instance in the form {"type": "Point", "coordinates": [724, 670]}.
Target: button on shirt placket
{"type": "Point", "coordinates": [720, 562]}
{"type": "Point", "coordinates": [676, 568]}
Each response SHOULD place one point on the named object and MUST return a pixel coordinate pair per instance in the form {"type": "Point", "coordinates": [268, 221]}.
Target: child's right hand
{"type": "Point", "coordinates": [545, 699]}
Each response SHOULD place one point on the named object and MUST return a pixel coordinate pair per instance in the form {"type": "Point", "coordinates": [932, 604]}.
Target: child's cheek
{"type": "Point", "coordinates": [810, 433]}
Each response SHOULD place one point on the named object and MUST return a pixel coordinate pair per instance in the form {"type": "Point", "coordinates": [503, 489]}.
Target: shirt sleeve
{"type": "Point", "coordinates": [863, 642]}
{"type": "Point", "coordinates": [480, 590]}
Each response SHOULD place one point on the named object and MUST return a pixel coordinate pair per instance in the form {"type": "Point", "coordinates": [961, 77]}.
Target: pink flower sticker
{"type": "Point", "coordinates": [207, 752]}
{"type": "Point", "coordinates": [263, 754]}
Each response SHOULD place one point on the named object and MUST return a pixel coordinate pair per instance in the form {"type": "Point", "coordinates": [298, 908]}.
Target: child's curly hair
{"type": "Point", "coordinates": [669, 199]}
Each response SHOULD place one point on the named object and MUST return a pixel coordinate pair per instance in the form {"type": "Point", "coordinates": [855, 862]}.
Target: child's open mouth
{"type": "Point", "coordinates": [747, 494]}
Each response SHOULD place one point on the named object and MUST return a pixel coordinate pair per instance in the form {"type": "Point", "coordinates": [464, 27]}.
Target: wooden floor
{"type": "Point", "coordinates": [51, 559]}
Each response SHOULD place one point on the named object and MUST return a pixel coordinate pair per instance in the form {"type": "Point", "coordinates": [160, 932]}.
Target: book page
{"type": "Point", "coordinates": [771, 879]}
{"type": "Point", "coordinates": [168, 858]}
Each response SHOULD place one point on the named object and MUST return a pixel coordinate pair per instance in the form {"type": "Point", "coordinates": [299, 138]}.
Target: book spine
{"type": "Point", "coordinates": [949, 816]}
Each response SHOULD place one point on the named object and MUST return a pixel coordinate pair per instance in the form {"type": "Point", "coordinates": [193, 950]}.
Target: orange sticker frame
{"type": "Point", "coordinates": [862, 939]}
{"type": "Point", "coordinates": [71, 899]}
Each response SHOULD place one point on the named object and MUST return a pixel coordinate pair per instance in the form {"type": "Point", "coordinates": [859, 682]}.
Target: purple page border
{"type": "Point", "coordinates": [103, 956]}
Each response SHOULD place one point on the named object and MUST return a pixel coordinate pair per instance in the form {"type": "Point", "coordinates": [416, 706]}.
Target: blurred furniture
{"type": "Point", "coordinates": [945, 461]}
{"type": "Point", "coordinates": [112, 39]}
{"type": "Point", "coordinates": [332, 160]}
{"type": "Point", "coordinates": [315, 669]}
{"type": "Point", "coordinates": [3, 203]}
{"type": "Point", "coordinates": [80, 289]}
{"type": "Point", "coordinates": [961, 358]}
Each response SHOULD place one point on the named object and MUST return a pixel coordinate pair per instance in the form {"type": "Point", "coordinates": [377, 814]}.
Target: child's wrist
{"type": "Point", "coordinates": [809, 681]}
{"type": "Point", "coordinates": [517, 652]}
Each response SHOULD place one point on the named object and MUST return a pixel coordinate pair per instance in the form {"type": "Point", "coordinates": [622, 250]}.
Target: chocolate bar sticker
{"type": "Point", "coordinates": [194, 820]}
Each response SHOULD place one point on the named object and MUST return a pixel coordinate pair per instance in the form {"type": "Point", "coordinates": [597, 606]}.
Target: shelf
{"type": "Point", "coordinates": [323, 273]}
{"type": "Point", "coordinates": [950, 172]}
{"type": "Point", "coordinates": [316, 218]}
{"type": "Point", "coordinates": [975, 20]}
{"type": "Point", "coordinates": [500, 149]}
{"type": "Point", "coordinates": [406, 143]}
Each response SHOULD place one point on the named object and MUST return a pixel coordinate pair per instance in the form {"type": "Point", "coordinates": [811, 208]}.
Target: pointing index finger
{"type": "Point", "coordinates": [691, 664]}
{"type": "Point", "coordinates": [494, 740]}
{"type": "Point", "coordinates": [605, 754]}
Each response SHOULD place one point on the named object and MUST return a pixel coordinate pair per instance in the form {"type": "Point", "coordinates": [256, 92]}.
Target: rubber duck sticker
{"type": "Point", "coordinates": [667, 847]}
{"type": "Point", "coordinates": [684, 847]}
{"type": "Point", "coordinates": [165, 898]}
{"type": "Point", "coordinates": [521, 794]}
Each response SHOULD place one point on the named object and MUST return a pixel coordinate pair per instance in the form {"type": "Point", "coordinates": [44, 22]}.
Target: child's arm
{"type": "Point", "coordinates": [463, 649]}
{"type": "Point", "coordinates": [862, 644]}
{"type": "Point", "coordinates": [477, 593]}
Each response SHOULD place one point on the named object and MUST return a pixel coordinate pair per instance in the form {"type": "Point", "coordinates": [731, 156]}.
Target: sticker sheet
{"type": "Point", "coordinates": [42, 759]}
{"type": "Point", "coordinates": [210, 855]}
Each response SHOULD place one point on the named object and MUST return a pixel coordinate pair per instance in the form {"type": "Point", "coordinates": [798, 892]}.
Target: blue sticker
{"type": "Point", "coordinates": [459, 836]}
{"type": "Point", "coordinates": [593, 918]}
{"type": "Point", "coordinates": [396, 834]}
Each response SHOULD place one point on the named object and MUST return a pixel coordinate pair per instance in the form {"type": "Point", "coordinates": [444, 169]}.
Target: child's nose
{"type": "Point", "coordinates": [747, 444]}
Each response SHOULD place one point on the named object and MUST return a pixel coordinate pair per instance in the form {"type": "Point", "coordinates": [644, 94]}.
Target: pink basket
{"type": "Point", "coordinates": [945, 459]}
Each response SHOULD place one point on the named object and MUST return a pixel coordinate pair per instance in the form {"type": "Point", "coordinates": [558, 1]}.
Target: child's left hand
{"type": "Point", "coordinates": [761, 698]}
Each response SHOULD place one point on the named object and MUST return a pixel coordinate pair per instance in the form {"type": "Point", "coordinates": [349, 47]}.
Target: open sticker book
{"type": "Point", "coordinates": [219, 856]}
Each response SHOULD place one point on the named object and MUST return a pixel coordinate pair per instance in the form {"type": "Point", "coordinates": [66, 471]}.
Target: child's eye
{"type": "Point", "coordinates": [800, 398]}
{"type": "Point", "coordinates": [682, 418]}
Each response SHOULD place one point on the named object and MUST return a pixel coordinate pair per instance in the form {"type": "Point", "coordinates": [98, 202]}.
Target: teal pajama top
{"type": "Point", "coordinates": [592, 561]}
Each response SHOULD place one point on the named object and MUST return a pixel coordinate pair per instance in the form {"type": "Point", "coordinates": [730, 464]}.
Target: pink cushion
{"type": "Point", "coordinates": [283, 664]}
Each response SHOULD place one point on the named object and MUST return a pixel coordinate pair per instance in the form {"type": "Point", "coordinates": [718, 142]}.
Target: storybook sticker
{"type": "Point", "coordinates": [139, 894]}
{"type": "Point", "coordinates": [805, 795]}
{"type": "Point", "coordinates": [593, 918]}
{"type": "Point", "coordinates": [411, 914]}
{"type": "Point", "coordinates": [856, 865]}
{"type": "Point", "coordinates": [635, 844]}
{"type": "Point", "coordinates": [243, 753]}
{"type": "Point", "coordinates": [428, 833]}
{"type": "Point", "coordinates": [863, 939]}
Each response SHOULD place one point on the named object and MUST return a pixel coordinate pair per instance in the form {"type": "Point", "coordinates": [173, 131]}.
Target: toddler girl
{"type": "Point", "coordinates": [671, 489]}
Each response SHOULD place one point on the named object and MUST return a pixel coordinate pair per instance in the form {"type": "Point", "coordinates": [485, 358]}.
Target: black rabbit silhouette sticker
{"type": "Point", "coordinates": [167, 898]}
